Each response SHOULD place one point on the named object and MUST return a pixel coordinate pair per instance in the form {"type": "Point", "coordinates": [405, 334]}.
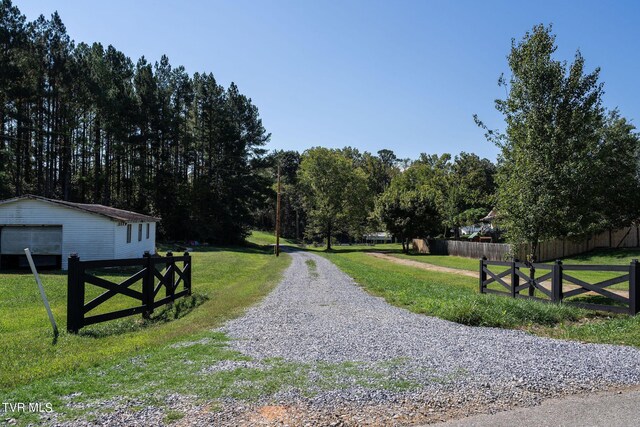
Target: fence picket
{"type": "Point", "coordinates": [170, 266]}
{"type": "Point", "coordinates": [483, 275]}
{"type": "Point", "coordinates": [556, 282]}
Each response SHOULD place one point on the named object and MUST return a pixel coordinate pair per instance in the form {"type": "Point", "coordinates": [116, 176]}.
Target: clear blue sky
{"type": "Point", "coordinates": [403, 75]}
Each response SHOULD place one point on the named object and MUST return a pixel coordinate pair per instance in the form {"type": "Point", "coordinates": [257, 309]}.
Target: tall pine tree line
{"type": "Point", "coordinates": [84, 123]}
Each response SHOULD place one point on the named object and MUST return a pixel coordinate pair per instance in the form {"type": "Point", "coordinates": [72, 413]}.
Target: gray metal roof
{"type": "Point", "coordinates": [106, 211]}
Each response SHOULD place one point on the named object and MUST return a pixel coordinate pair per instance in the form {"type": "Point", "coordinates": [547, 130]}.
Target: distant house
{"type": "Point", "coordinates": [470, 229]}
{"type": "Point", "coordinates": [491, 216]}
{"type": "Point", "coordinates": [54, 229]}
{"type": "Point", "coordinates": [490, 220]}
{"type": "Point", "coordinates": [378, 237]}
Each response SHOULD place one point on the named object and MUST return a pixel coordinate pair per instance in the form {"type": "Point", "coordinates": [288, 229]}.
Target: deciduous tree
{"type": "Point", "coordinates": [559, 152]}
{"type": "Point", "coordinates": [408, 207]}
{"type": "Point", "coordinates": [335, 192]}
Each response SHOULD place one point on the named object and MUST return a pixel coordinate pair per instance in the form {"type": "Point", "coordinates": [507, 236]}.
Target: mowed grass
{"type": "Point", "coordinates": [456, 262]}
{"type": "Point", "coordinates": [225, 282]}
{"type": "Point", "coordinates": [602, 257]}
{"type": "Point", "coordinates": [605, 256]}
{"type": "Point", "coordinates": [456, 298]}
{"type": "Point", "coordinates": [266, 238]}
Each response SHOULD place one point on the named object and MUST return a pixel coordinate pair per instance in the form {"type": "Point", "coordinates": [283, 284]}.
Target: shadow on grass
{"type": "Point", "coordinates": [250, 248]}
{"type": "Point", "coordinates": [177, 310]}
{"type": "Point", "coordinates": [608, 253]}
{"type": "Point", "coordinates": [27, 271]}
{"type": "Point", "coordinates": [420, 255]}
{"type": "Point", "coordinates": [350, 249]}
{"type": "Point", "coordinates": [595, 299]}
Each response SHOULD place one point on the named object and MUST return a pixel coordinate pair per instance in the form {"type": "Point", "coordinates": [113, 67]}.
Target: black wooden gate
{"type": "Point", "coordinates": [559, 283]}
{"type": "Point", "coordinates": [155, 273]}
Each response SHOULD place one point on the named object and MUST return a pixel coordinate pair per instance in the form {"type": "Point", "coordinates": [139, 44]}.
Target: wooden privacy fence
{"type": "Point", "coordinates": [627, 237]}
{"type": "Point", "coordinates": [558, 283]}
{"type": "Point", "coordinates": [165, 270]}
{"type": "Point", "coordinates": [493, 251]}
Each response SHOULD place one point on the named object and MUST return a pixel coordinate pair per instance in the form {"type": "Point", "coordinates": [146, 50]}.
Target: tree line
{"type": "Point", "coordinates": [85, 123]}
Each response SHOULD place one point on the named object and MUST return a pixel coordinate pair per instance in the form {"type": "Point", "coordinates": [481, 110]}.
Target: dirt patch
{"type": "Point", "coordinates": [272, 414]}
{"type": "Point", "coordinates": [423, 265]}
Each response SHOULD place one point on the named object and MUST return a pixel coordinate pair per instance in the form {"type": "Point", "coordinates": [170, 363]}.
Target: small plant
{"type": "Point", "coordinates": [173, 416]}
{"type": "Point", "coordinates": [313, 270]}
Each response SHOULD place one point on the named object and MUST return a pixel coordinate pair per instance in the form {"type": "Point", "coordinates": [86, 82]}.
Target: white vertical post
{"type": "Point", "coordinates": [278, 216]}
{"type": "Point", "coordinates": [42, 294]}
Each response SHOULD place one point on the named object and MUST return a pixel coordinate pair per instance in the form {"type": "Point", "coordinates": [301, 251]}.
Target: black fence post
{"type": "Point", "coordinates": [515, 279]}
{"type": "Point", "coordinates": [171, 277]}
{"type": "Point", "coordinates": [532, 280]}
{"type": "Point", "coordinates": [187, 272]}
{"type": "Point", "coordinates": [483, 274]}
{"type": "Point", "coordinates": [75, 295]}
{"type": "Point", "coordinates": [147, 286]}
{"type": "Point", "coordinates": [634, 284]}
{"type": "Point", "coordinates": [556, 282]}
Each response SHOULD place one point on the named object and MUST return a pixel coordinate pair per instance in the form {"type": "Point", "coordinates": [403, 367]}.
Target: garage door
{"type": "Point", "coordinates": [40, 240]}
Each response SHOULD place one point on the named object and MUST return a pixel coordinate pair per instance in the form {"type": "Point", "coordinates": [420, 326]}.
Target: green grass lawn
{"type": "Point", "coordinates": [602, 257]}
{"type": "Point", "coordinates": [225, 281]}
{"type": "Point", "coordinates": [267, 238]}
{"type": "Point", "coordinates": [605, 256]}
{"type": "Point", "coordinates": [449, 261]}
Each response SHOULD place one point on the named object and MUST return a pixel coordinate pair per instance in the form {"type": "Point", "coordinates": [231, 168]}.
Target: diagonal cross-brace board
{"type": "Point", "coordinates": [496, 277]}
{"type": "Point", "coordinates": [596, 287]}
{"type": "Point", "coordinates": [112, 289]}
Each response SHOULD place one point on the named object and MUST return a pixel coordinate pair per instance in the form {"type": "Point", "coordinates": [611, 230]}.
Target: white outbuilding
{"type": "Point", "coordinates": [54, 229]}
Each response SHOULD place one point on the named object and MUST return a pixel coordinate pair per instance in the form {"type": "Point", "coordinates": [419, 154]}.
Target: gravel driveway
{"type": "Point", "coordinates": [319, 315]}
{"type": "Point", "coordinates": [349, 358]}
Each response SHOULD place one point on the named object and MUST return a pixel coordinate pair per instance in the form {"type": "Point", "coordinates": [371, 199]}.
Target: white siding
{"type": "Point", "coordinates": [89, 235]}
{"type": "Point", "coordinates": [136, 248]}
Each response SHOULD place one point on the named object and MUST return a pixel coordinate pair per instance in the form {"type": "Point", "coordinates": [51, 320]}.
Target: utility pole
{"type": "Point", "coordinates": [277, 249]}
